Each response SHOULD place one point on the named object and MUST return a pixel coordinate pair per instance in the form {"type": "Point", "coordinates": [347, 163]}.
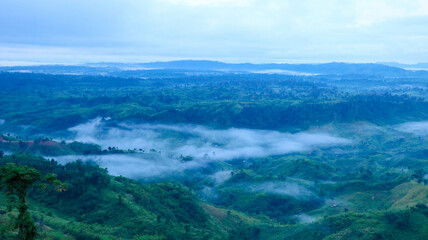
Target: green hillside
{"type": "Point", "coordinates": [98, 206]}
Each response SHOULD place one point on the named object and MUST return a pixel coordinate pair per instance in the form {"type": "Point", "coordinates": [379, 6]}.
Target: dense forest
{"type": "Point", "coordinates": [238, 100]}
{"type": "Point", "coordinates": [182, 150]}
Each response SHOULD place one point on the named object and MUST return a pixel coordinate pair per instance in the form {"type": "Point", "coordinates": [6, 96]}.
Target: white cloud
{"type": "Point", "coordinates": [228, 30]}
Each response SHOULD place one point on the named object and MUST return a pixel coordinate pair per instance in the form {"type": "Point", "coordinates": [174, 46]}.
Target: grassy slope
{"type": "Point", "coordinates": [402, 214]}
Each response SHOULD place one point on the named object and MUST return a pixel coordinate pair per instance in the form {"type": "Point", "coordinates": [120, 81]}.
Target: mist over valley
{"type": "Point", "coordinates": [213, 120]}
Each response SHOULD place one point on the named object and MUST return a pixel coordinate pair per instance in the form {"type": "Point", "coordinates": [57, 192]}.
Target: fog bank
{"type": "Point", "coordinates": [161, 148]}
{"type": "Point", "coordinates": [417, 128]}
{"type": "Point", "coordinates": [282, 188]}
{"type": "Point", "coordinates": [202, 142]}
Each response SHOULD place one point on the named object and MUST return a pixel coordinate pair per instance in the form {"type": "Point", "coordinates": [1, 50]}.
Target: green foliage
{"type": "Point", "coordinates": [404, 224]}
{"type": "Point", "coordinates": [281, 208]}
{"type": "Point", "coordinates": [371, 189]}
{"type": "Point", "coordinates": [78, 147]}
{"type": "Point", "coordinates": [99, 206]}
{"type": "Point", "coordinates": [45, 146]}
{"type": "Point", "coordinates": [57, 102]}
{"type": "Point", "coordinates": [15, 180]}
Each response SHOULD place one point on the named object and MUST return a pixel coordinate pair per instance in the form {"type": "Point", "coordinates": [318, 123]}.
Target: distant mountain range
{"type": "Point", "coordinates": [322, 68]}
{"type": "Point", "coordinates": [406, 66]}
{"type": "Point", "coordinates": [333, 68]}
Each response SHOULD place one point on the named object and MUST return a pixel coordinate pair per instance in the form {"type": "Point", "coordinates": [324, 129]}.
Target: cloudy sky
{"type": "Point", "coordinates": [226, 30]}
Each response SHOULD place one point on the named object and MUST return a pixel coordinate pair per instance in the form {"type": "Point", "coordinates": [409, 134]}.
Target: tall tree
{"type": "Point", "coordinates": [15, 180]}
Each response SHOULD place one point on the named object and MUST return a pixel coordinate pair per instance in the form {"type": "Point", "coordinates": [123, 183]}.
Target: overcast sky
{"type": "Point", "coordinates": [226, 30]}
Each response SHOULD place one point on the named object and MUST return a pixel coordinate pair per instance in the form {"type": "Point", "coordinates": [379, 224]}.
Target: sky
{"type": "Point", "coordinates": [258, 31]}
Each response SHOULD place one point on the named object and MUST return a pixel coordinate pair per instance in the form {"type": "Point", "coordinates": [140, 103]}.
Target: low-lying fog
{"type": "Point", "coordinates": [160, 148]}
{"type": "Point", "coordinates": [417, 128]}
{"type": "Point", "coordinates": [162, 145]}
{"type": "Point", "coordinates": [282, 188]}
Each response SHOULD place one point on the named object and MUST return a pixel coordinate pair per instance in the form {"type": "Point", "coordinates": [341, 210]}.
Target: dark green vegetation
{"type": "Point", "coordinates": [401, 224]}
{"type": "Point", "coordinates": [47, 147]}
{"type": "Point", "coordinates": [373, 188]}
{"type": "Point", "coordinates": [95, 205]}
{"type": "Point", "coordinates": [15, 180]}
{"type": "Point", "coordinates": [39, 103]}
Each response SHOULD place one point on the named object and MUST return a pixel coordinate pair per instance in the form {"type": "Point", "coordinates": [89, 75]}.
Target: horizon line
{"type": "Point", "coordinates": [24, 63]}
